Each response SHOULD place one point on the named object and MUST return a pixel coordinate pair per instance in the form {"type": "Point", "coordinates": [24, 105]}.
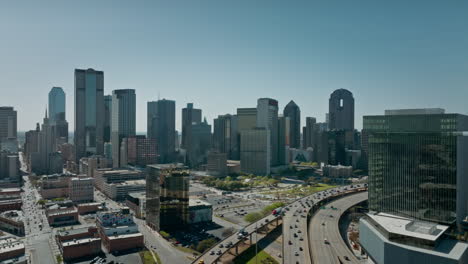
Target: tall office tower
{"type": "Point", "coordinates": [341, 110]}
{"type": "Point", "coordinates": [89, 113]}
{"type": "Point", "coordinates": [138, 151]}
{"type": "Point", "coordinates": [225, 139]}
{"type": "Point", "coordinates": [267, 117]}
{"type": "Point", "coordinates": [190, 116]}
{"type": "Point", "coordinates": [255, 151]}
{"type": "Point", "coordinates": [418, 164]}
{"type": "Point", "coordinates": [161, 126]}
{"type": "Point", "coordinates": [8, 126]}
{"type": "Point", "coordinates": [200, 143]}
{"type": "Point", "coordinates": [309, 133]}
{"type": "Point", "coordinates": [56, 103]}
{"type": "Point", "coordinates": [107, 118]}
{"type": "Point", "coordinates": [167, 196]}
{"type": "Point", "coordinates": [292, 111]}
{"type": "Point", "coordinates": [246, 118]}
{"type": "Point", "coordinates": [44, 161]}
{"type": "Point", "coordinates": [123, 120]}
{"type": "Point", "coordinates": [31, 143]}
{"type": "Point", "coordinates": [284, 140]}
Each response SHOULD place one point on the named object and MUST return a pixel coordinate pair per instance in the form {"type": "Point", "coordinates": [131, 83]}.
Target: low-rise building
{"type": "Point", "coordinates": [136, 201]}
{"type": "Point", "coordinates": [12, 222]}
{"type": "Point", "coordinates": [200, 211]}
{"type": "Point", "coordinates": [118, 231]}
{"type": "Point", "coordinates": [6, 205]}
{"type": "Point", "coordinates": [337, 171]}
{"type": "Point", "coordinates": [88, 208]}
{"type": "Point", "coordinates": [11, 249]}
{"type": "Point", "coordinates": [116, 184]}
{"type": "Point", "coordinates": [77, 243]}
{"type": "Point", "coordinates": [393, 239]}
{"type": "Point", "coordinates": [54, 186]}
{"type": "Point", "coordinates": [62, 216]}
{"type": "Point", "coordinates": [81, 189]}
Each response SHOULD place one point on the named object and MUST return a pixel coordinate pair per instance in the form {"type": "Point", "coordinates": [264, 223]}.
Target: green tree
{"type": "Point", "coordinates": [253, 217]}
{"type": "Point", "coordinates": [205, 244]}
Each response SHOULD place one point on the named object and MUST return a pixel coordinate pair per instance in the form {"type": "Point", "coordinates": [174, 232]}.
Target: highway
{"type": "Point", "coordinates": [212, 255]}
{"type": "Point", "coordinates": [326, 243]}
{"type": "Point", "coordinates": [295, 235]}
{"type": "Point", "coordinates": [295, 225]}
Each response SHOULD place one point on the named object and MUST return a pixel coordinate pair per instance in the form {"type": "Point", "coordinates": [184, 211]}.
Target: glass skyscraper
{"type": "Point", "coordinates": [89, 113]}
{"type": "Point", "coordinates": [418, 164]}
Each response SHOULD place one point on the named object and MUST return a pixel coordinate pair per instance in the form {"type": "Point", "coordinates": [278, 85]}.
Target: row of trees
{"type": "Point", "coordinates": [255, 216]}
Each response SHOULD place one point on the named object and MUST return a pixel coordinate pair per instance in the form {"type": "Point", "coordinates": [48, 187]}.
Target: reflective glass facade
{"type": "Point", "coordinates": [416, 165]}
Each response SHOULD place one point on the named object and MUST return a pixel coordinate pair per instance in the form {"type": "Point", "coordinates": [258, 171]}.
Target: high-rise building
{"type": "Point", "coordinates": [292, 111]}
{"type": "Point", "coordinates": [217, 164]}
{"type": "Point", "coordinates": [267, 117]}
{"type": "Point", "coordinates": [284, 140]}
{"type": "Point", "coordinates": [8, 126]}
{"type": "Point", "coordinates": [123, 120]}
{"type": "Point", "coordinates": [246, 118]}
{"type": "Point", "coordinates": [341, 110]}
{"type": "Point", "coordinates": [167, 196]}
{"type": "Point", "coordinates": [139, 151]}
{"type": "Point", "coordinates": [89, 113]}
{"type": "Point", "coordinates": [255, 151]}
{"type": "Point", "coordinates": [190, 116]}
{"type": "Point", "coordinates": [161, 126]}
{"type": "Point", "coordinates": [56, 103]}
{"type": "Point", "coordinates": [225, 138]}
{"type": "Point", "coordinates": [309, 133]}
{"type": "Point", "coordinates": [31, 143]}
{"type": "Point", "coordinates": [107, 118]}
{"type": "Point", "coordinates": [418, 164]}
{"type": "Point", "coordinates": [200, 143]}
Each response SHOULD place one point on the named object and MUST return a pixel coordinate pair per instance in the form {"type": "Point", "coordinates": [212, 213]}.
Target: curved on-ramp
{"type": "Point", "coordinates": [324, 226]}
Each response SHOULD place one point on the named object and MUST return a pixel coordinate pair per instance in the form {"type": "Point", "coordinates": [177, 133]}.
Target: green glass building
{"type": "Point", "coordinates": [418, 164]}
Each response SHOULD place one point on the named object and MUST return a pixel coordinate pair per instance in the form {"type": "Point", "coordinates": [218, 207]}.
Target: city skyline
{"type": "Point", "coordinates": [312, 50]}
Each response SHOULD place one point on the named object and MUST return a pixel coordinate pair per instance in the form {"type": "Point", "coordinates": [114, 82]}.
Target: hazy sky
{"type": "Point", "coordinates": [225, 54]}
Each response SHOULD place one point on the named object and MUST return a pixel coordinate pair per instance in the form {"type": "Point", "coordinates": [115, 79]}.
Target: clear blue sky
{"type": "Point", "coordinates": [225, 54]}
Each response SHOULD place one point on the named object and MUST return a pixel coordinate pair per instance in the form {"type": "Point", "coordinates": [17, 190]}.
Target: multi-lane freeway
{"type": "Point", "coordinates": [326, 243]}
{"type": "Point", "coordinates": [296, 247]}
{"type": "Point", "coordinates": [295, 225]}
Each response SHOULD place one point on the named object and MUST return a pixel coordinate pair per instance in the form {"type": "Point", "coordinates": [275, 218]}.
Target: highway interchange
{"type": "Point", "coordinates": [295, 226]}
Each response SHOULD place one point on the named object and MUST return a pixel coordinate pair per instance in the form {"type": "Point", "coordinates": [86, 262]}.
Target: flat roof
{"type": "Point", "coordinates": [130, 182]}
{"type": "Point", "coordinates": [74, 231]}
{"type": "Point", "coordinates": [196, 202]}
{"type": "Point", "coordinates": [125, 236]}
{"type": "Point", "coordinates": [14, 215]}
{"type": "Point", "coordinates": [79, 241]}
{"type": "Point", "coordinates": [409, 227]}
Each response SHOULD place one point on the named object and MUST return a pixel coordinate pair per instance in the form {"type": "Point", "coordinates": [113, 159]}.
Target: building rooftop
{"type": "Point", "coordinates": [14, 215]}
{"type": "Point", "coordinates": [79, 241]}
{"type": "Point", "coordinates": [124, 236]}
{"type": "Point", "coordinates": [75, 231]}
{"type": "Point", "coordinates": [131, 182]}
{"type": "Point", "coordinates": [10, 244]}
{"type": "Point", "coordinates": [417, 111]}
{"type": "Point", "coordinates": [196, 202]}
{"type": "Point", "coordinates": [409, 227]}
{"type": "Point", "coordinates": [137, 195]}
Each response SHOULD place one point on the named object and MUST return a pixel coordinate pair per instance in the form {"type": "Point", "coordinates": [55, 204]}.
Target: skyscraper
{"type": "Point", "coordinates": [89, 113]}
{"type": "Point", "coordinates": [284, 140]}
{"type": "Point", "coordinates": [167, 196]}
{"type": "Point", "coordinates": [341, 110]}
{"type": "Point", "coordinates": [255, 151]}
{"type": "Point", "coordinates": [8, 126]}
{"type": "Point", "coordinates": [309, 132]}
{"type": "Point", "coordinates": [161, 126]}
{"type": "Point", "coordinates": [225, 138]}
{"type": "Point", "coordinates": [190, 116]}
{"type": "Point", "coordinates": [267, 117]}
{"type": "Point", "coordinates": [418, 164]}
{"type": "Point", "coordinates": [292, 111]}
{"type": "Point", "coordinates": [56, 103]}
{"type": "Point", "coordinates": [200, 143]}
{"type": "Point", "coordinates": [107, 117]}
{"type": "Point", "coordinates": [123, 120]}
